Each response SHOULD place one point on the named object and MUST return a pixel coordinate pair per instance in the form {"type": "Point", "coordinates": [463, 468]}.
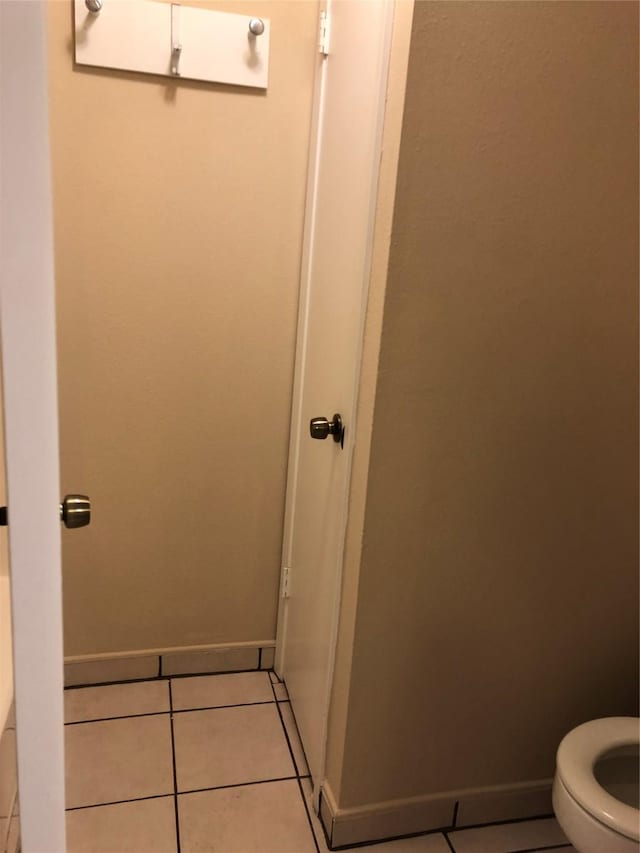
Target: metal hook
{"type": "Point", "coordinates": [93, 5]}
{"type": "Point", "coordinates": [256, 27]}
{"type": "Point", "coordinates": [176, 43]}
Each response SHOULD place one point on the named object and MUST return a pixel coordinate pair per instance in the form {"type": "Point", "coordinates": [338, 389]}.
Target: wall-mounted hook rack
{"type": "Point", "coordinates": [173, 40]}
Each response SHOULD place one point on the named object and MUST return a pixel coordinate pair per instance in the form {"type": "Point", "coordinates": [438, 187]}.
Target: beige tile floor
{"type": "Point", "coordinates": [214, 764]}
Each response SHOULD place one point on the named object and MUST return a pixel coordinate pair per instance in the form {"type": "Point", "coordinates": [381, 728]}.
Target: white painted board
{"type": "Point", "coordinates": [28, 356]}
{"type": "Point", "coordinates": [136, 35]}
{"type": "Point", "coordinates": [341, 206]}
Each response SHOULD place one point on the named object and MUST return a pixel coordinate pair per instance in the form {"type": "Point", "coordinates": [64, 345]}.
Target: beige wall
{"type": "Point", "coordinates": [178, 216]}
{"type": "Point", "coordinates": [497, 586]}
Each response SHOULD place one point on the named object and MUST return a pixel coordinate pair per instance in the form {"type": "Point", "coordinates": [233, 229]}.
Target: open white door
{"type": "Point", "coordinates": [349, 111]}
{"type": "Point", "coordinates": [31, 423]}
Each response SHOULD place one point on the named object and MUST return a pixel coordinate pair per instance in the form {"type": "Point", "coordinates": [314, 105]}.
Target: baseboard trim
{"type": "Point", "coordinates": [147, 664]}
{"type": "Point", "coordinates": [167, 650]}
{"type": "Point", "coordinates": [429, 813]}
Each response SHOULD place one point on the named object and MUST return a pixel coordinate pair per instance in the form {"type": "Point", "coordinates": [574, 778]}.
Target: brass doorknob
{"type": "Point", "coordinates": [75, 511]}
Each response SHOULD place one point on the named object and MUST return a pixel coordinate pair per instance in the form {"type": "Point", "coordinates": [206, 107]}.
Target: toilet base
{"type": "Point", "coordinates": [586, 833]}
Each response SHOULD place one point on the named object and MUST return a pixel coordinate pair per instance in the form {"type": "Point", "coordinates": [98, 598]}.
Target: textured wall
{"type": "Point", "coordinates": [498, 585]}
{"type": "Point", "coordinates": [178, 216]}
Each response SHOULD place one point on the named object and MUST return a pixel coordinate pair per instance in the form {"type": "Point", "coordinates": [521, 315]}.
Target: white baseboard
{"type": "Point", "coordinates": [167, 650]}
{"type": "Point", "coordinates": [142, 664]}
{"type": "Point", "coordinates": [431, 812]}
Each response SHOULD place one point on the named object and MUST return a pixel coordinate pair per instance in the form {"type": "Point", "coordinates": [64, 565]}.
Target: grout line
{"type": "Point", "coordinates": [306, 811]}
{"type": "Point", "coordinates": [174, 711]}
{"type": "Point", "coordinates": [297, 731]}
{"type": "Point", "coordinates": [539, 849]}
{"type": "Point", "coordinates": [286, 734]}
{"type": "Point", "coordinates": [295, 723]}
{"type": "Point", "coordinates": [182, 793]}
{"type": "Point", "coordinates": [295, 764]}
{"type": "Point", "coordinates": [390, 838]}
{"type": "Point", "coordinates": [449, 843]}
{"type": "Point", "coordinates": [123, 717]}
{"type": "Point", "coordinates": [240, 785]}
{"type": "Point", "coordinates": [163, 677]}
{"type": "Point", "coordinates": [503, 822]}
{"type": "Point", "coordinates": [219, 707]}
{"type": "Point", "coordinates": [175, 775]}
{"type": "Point", "coordinates": [118, 802]}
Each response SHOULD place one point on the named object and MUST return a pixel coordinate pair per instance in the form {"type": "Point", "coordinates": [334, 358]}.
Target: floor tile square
{"type": "Point", "coordinates": [267, 818]}
{"type": "Point", "coordinates": [230, 746]}
{"type": "Point", "coordinates": [212, 691]}
{"type": "Point", "coordinates": [509, 837]}
{"type": "Point", "coordinates": [434, 842]}
{"type": "Point", "coordinates": [118, 760]}
{"type": "Point", "coordinates": [115, 700]}
{"type": "Point", "coordinates": [147, 826]}
{"type": "Point", "coordinates": [294, 738]}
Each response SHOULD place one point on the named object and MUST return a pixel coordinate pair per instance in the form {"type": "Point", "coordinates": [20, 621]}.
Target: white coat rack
{"type": "Point", "coordinates": [173, 40]}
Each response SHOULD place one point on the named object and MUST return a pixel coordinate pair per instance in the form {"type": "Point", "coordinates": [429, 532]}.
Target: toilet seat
{"type": "Point", "coordinates": [577, 756]}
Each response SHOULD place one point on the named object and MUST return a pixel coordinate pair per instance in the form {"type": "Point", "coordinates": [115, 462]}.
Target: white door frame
{"type": "Point", "coordinates": [27, 308]}
{"type": "Point", "coordinates": [298, 429]}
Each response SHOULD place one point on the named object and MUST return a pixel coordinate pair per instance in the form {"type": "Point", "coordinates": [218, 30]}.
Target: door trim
{"type": "Point", "coordinates": [383, 47]}
{"type": "Point", "coordinates": [31, 423]}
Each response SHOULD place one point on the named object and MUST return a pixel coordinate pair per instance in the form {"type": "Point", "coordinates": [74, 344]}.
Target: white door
{"type": "Point", "coordinates": [31, 424]}
{"type": "Point", "coordinates": [349, 109]}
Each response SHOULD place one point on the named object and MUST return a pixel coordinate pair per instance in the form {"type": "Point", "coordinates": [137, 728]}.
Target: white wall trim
{"type": "Point", "coordinates": [167, 650]}
{"type": "Point", "coordinates": [31, 423]}
{"type": "Point", "coordinates": [430, 812]}
{"type": "Point", "coordinates": [137, 665]}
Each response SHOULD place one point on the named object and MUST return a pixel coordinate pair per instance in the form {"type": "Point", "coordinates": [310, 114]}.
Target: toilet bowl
{"type": "Point", "coordinates": [595, 790]}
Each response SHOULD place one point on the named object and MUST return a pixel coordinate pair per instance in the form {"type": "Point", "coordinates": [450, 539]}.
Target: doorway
{"type": "Point", "coordinates": [129, 367]}
{"type": "Point", "coordinates": [350, 89]}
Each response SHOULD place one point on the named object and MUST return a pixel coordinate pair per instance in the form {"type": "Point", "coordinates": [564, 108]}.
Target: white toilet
{"type": "Point", "coordinates": [595, 790]}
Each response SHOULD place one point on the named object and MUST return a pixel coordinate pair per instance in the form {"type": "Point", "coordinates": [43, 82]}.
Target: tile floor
{"type": "Point", "coordinates": [214, 764]}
